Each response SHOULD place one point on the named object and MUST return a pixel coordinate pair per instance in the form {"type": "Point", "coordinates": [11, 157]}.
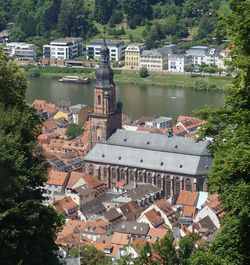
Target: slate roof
{"type": "Point", "coordinates": [151, 53]}
{"type": "Point", "coordinates": [142, 191]}
{"type": "Point", "coordinates": [153, 151]}
{"type": "Point", "coordinates": [133, 228]}
{"type": "Point", "coordinates": [112, 215]}
{"type": "Point", "coordinates": [158, 142]}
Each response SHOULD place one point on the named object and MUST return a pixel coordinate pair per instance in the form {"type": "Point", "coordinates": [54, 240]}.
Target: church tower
{"type": "Point", "coordinates": [106, 117]}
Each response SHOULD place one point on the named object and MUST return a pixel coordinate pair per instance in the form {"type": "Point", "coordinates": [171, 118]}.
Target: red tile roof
{"type": "Point", "coordinates": [65, 204]}
{"type": "Point", "coordinates": [189, 211]}
{"type": "Point", "coordinates": [187, 198]}
{"type": "Point", "coordinates": [73, 178]}
{"type": "Point", "coordinates": [57, 178]}
{"type": "Point", "coordinates": [154, 218]}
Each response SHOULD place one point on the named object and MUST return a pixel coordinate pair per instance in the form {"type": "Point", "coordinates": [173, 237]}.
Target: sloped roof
{"type": "Point", "coordinates": [187, 198]}
{"type": "Point", "coordinates": [57, 178]}
{"type": "Point", "coordinates": [133, 228]}
{"type": "Point", "coordinates": [73, 178]}
{"type": "Point", "coordinates": [189, 211]}
{"type": "Point", "coordinates": [120, 239]}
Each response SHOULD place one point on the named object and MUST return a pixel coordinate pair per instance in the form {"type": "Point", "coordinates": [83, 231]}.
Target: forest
{"type": "Point", "coordinates": [153, 21]}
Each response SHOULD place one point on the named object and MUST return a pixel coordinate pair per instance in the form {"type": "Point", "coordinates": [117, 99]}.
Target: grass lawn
{"type": "Point", "coordinates": [174, 80]}
{"type": "Point", "coordinates": [155, 79]}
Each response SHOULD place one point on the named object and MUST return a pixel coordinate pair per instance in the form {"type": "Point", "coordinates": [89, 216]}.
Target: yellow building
{"type": "Point", "coordinates": [63, 114]}
{"type": "Point", "coordinates": [133, 56]}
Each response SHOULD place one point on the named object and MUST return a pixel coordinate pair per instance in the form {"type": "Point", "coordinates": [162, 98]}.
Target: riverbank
{"type": "Point", "coordinates": [155, 79]}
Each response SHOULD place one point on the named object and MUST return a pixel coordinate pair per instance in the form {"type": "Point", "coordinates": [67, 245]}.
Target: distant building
{"type": "Point", "coordinates": [20, 51]}
{"type": "Point", "coordinates": [62, 49]}
{"type": "Point", "coordinates": [116, 50]}
{"type": "Point", "coordinates": [133, 56]}
{"type": "Point", "coordinates": [154, 60]}
{"type": "Point", "coordinates": [177, 62]}
{"type": "Point", "coordinates": [198, 54]}
{"type": "Point", "coordinates": [160, 123]}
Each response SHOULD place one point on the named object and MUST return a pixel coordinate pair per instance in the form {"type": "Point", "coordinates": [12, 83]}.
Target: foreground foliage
{"type": "Point", "coordinates": [27, 227]}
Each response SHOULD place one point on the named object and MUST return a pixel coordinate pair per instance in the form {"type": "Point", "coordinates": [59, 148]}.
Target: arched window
{"type": "Point", "coordinates": [131, 175]}
{"type": "Point", "coordinates": [123, 174]}
{"type": "Point", "coordinates": [114, 174]}
{"type": "Point", "coordinates": [150, 178]}
{"type": "Point", "coordinates": [188, 185]}
{"type": "Point", "coordinates": [158, 181]}
{"type": "Point", "coordinates": [99, 100]}
{"type": "Point", "coordinates": [168, 187]}
{"type": "Point", "coordinates": [91, 169]}
{"type": "Point", "coordinates": [141, 175]}
{"type": "Point", "coordinates": [177, 185]}
{"type": "Point", "coordinates": [105, 172]}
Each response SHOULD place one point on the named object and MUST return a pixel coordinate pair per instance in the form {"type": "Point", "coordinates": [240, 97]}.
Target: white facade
{"type": "Point", "coordinates": [116, 50]}
{"type": "Point", "coordinates": [20, 50]}
{"type": "Point", "coordinates": [153, 60]}
{"type": "Point", "coordinates": [177, 62]}
{"type": "Point", "coordinates": [207, 211]}
{"type": "Point", "coordinates": [160, 123]}
{"type": "Point", "coordinates": [63, 49]}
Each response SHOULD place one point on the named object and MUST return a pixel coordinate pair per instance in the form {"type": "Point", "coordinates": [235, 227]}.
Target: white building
{"type": "Point", "coordinates": [153, 60]}
{"type": "Point", "coordinates": [160, 123]}
{"type": "Point", "coordinates": [116, 50]}
{"type": "Point", "coordinates": [20, 50]}
{"type": "Point", "coordinates": [198, 54]}
{"type": "Point", "coordinates": [177, 62]}
{"type": "Point", "coordinates": [66, 48]}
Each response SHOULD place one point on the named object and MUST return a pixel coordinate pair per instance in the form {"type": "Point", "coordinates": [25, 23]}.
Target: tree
{"type": "Point", "coordinates": [145, 256]}
{"type": "Point", "coordinates": [166, 250]}
{"type": "Point", "coordinates": [74, 130]}
{"type": "Point", "coordinates": [144, 72]}
{"type": "Point", "coordinates": [229, 126]}
{"type": "Point", "coordinates": [91, 256]}
{"type": "Point", "coordinates": [27, 227]}
{"type": "Point", "coordinates": [189, 68]}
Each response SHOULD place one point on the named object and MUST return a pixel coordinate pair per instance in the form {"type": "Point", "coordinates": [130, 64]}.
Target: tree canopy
{"type": "Point", "coordinates": [27, 227]}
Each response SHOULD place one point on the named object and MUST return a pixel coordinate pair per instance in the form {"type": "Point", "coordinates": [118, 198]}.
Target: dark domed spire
{"type": "Point", "coordinates": [104, 74]}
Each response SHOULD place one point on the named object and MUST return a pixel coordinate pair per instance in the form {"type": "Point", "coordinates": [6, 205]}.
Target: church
{"type": "Point", "coordinates": [171, 163]}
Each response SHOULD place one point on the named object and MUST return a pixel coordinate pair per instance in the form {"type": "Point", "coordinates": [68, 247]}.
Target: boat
{"type": "Point", "coordinates": [173, 97]}
{"type": "Point", "coordinates": [75, 79]}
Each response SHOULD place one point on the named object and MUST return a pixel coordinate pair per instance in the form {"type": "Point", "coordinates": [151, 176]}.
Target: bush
{"type": "Point", "coordinates": [34, 72]}
{"type": "Point", "coordinates": [74, 130]}
{"type": "Point", "coordinates": [144, 72]}
{"type": "Point", "coordinates": [201, 84]}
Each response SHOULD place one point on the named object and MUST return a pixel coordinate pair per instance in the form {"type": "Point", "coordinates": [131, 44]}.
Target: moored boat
{"type": "Point", "coordinates": [74, 79]}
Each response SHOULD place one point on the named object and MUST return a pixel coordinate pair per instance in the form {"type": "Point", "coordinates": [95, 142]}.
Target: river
{"type": "Point", "coordinates": [138, 100]}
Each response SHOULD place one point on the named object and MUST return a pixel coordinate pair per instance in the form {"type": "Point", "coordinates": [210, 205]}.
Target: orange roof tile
{"type": "Point", "coordinates": [57, 178]}
{"type": "Point", "coordinates": [45, 106]}
{"type": "Point", "coordinates": [154, 218]}
{"type": "Point", "coordinates": [49, 125]}
{"type": "Point", "coordinates": [187, 198]}
{"type": "Point", "coordinates": [189, 211]}
{"type": "Point", "coordinates": [73, 178]}
{"type": "Point", "coordinates": [156, 233]}
{"type": "Point", "coordinates": [92, 181]}
{"type": "Point", "coordinates": [120, 239]}
{"type": "Point", "coordinates": [65, 203]}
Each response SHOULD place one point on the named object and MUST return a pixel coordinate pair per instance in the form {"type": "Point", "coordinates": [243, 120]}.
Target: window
{"type": "Point", "coordinates": [158, 181]}
{"type": "Point", "coordinates": [123, 174]}
{"type": "Point", "coordinates": [188, 185]}
{"type": "Point", "coordinates": [99, 100]}
{"type": "Point", "coordinates": [132, 175]}
{"type": "Point", "coordinates": [105, 172]}
{"type": "Point", "coordinates": [91, 169]}
{"type": "Point", "coordinates": [177, 185]}
{"type": "Point", "coordinates": [114, 173]}
{"type": "Point", "coordinates": [140, 179]}
{"type": "Point", "coordinates": [150, 178]}
{"type": "Point", "coordinates": [168, 187]}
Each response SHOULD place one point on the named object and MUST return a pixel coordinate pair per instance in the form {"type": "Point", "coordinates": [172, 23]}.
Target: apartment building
{"type": "Point", "coordinates": [20, 51]}
{"type": "Point", "coordinates": [116, 50]}
{"type": "Point", "coordinates": [177, 62]}
{"type": "Point", "coordinates": [154, 60]}
{"type": "Point", "coordinates": [64, 48]}
{"type": "Point", "coordinates": [133, 56]}
{"type": "Point", "coordinates": [198, 54]}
